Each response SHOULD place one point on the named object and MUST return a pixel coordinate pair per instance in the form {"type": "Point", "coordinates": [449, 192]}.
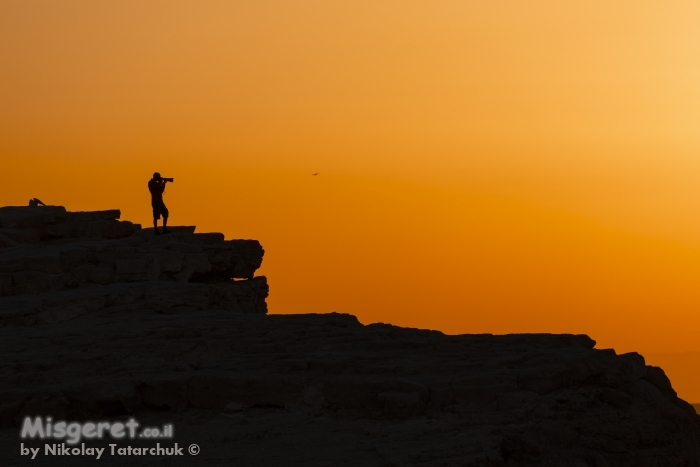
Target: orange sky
{"type": "Point", "coordinates": [484, 166]}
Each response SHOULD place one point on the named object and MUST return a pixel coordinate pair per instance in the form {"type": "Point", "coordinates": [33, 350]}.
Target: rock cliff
{"type": "Point", "coordinates": [57, 265]}
{"type": "Point", "coordinates": [100, 318]}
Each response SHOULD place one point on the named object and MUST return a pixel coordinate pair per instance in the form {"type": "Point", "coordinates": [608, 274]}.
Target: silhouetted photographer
{"type": "Point", "coordinates": [156, 186]}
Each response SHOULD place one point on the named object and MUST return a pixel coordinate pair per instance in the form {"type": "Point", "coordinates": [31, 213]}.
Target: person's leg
{"type": "Point", "coordinates": [156, 216]}
{"type": "Point", "coordinates": [165, 219]}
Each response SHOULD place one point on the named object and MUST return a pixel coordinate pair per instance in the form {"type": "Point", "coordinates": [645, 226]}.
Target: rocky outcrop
{"type": "Point", "coordinates": [33, 225]}
{"type": "Point", "coordinates": [58, 265]}
{"type": "Point", "coordinates": [314, 389]}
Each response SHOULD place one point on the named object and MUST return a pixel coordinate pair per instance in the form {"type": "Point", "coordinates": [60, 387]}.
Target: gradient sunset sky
{"type": "Point", "coordinates": [514, 166]}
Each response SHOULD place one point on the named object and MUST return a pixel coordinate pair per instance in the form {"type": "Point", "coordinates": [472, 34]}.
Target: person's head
{"type": "Point", "coordinates": [156, 176]}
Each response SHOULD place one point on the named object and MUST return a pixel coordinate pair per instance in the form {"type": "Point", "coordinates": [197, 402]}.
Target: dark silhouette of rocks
{"type": "Point", "coordinates": [101, 318]}
{"type": "Point", "coordinates": [58, 265]}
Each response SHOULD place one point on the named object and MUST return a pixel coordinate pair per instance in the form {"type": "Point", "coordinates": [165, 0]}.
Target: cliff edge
{"type": "Point", "coordinates": [101, 319]}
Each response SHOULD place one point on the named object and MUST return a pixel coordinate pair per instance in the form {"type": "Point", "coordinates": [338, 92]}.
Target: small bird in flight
{"type": "Point", "coordinates": [315, 174]}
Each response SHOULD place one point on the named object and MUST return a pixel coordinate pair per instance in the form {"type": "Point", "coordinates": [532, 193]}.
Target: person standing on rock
{"type": "Point", "coordinates": [156, 186]}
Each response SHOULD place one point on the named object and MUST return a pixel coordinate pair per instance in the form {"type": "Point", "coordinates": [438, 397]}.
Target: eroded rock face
{"type": "Point", "coordinates": [474, 399]}
{"type": "Point", "coordinates": [315, 389]}
{"type": "Point", "coordinates": [58, 265]}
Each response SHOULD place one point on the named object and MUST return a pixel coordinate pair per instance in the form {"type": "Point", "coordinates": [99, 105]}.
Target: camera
{"type": "Point", "coordinates": [168, 179]}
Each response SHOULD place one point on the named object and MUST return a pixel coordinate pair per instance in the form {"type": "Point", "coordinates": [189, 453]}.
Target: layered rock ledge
{"type": "Point", "coordinates": [189, 342]}
{"type": "Point", "coordinates": [57, 265]}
